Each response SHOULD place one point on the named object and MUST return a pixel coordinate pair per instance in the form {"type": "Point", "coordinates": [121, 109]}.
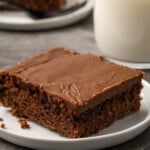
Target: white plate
{"type": "Point", "coordinates": [40, 138]}
{"type": "Point", "coordinates": [21, 21]}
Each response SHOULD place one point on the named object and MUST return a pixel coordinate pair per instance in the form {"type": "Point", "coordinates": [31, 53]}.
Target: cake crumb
{"type": "Point", "coordinates": [102, 58]}
{"type": "Point", "coordinates": [24, 124]}
{"type": "Point", "coordinates": [2, 126]}
{"type": "Point", "coordinates": [1, 119]}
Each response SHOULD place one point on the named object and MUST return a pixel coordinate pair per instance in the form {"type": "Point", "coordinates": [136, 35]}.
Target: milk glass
{"type": "Point", "coordinates": [122, 29]}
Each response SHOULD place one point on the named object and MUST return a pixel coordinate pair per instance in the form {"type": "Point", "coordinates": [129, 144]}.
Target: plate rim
{"type": "Point", "coordinates": [92, 138]}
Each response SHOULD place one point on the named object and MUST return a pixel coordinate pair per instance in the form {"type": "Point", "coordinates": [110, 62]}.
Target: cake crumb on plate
{"type": "Point", "coordinates": [24, 124]}
{"type": "Point", "coordinates": [3, 126]}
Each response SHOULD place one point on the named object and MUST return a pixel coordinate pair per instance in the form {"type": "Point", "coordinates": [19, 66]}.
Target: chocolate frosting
{"type": "Point", "coordinates": [78, 79]}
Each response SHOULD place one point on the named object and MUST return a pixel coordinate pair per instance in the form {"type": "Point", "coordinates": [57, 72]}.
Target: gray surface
{"type": "Point", "coordinates": [16, 46]}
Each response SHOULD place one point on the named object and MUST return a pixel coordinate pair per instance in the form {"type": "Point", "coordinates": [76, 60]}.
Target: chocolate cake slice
{"type": "Point", "coordinates": [39, 5]}
{"type": "Point", "coordinates": [74, 94]}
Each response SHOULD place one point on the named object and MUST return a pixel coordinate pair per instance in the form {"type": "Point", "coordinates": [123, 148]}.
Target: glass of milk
{"type": "Point", "coordinates": [122, 29]}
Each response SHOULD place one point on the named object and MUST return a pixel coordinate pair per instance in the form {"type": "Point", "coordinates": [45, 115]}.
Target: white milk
{"type": "Point", "coordinates": [122, 29]}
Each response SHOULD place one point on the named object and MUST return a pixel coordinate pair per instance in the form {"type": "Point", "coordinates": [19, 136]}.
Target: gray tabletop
{"type": "Point", "coordinates": [16, 46]}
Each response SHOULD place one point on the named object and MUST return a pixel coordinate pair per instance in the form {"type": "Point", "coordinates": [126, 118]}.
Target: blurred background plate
{"type": "Point", "coordinates": [21, 20]}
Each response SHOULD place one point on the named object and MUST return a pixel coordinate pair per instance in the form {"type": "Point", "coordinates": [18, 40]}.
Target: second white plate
{"type": "Point", "coordinates": [39, 137]}
{"type": "Point", "coordinates": [21, 21]}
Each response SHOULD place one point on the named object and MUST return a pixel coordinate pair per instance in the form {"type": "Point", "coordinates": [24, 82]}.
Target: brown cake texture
{"type": "Point", "coordinates": [39, 5]}
{"type": "Point", "coordinates": [76, 95]}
